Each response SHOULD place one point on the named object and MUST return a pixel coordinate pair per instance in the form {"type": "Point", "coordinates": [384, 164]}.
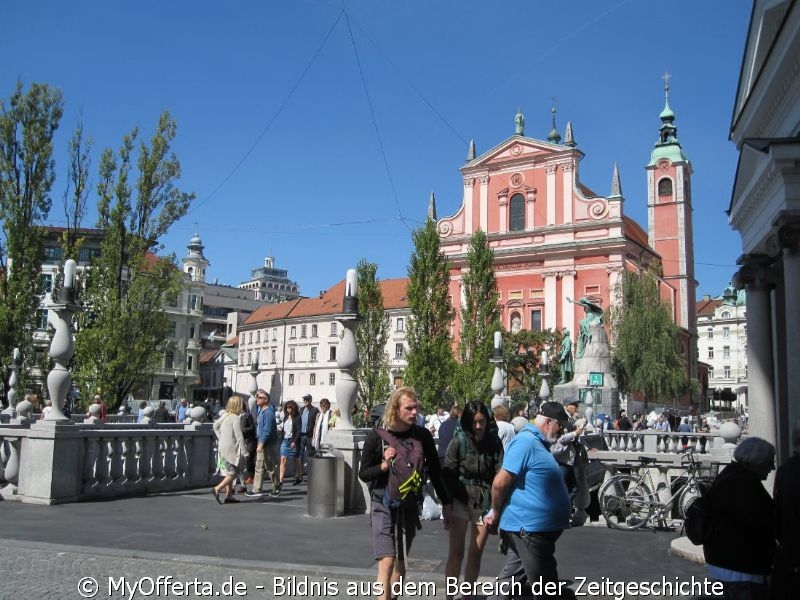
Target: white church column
{"type": "Point", "coordinates": [484, 181]}
{"type": "Point", "coordinates": [502, 203]}
{"type": "Point", "coordinates": [753, 275]}
{"type": "Point", "coordinates": [567, 310]}
{"type": "Point", "coordinates": [550, 216]}
{"type": "Point", "coordinates": [568, 180]}
{"type": "Point", "coordinates": [469, 187]}
{"type": "Point", "coordinates": [550, 299]}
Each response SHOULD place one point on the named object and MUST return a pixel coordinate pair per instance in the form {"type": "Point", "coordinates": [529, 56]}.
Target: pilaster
{"type": "Point", "coordinates": [789, 239]}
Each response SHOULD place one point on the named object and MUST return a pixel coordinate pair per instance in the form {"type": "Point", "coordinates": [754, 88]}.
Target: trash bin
{"type": "Point", "coordinates": [322, 486]}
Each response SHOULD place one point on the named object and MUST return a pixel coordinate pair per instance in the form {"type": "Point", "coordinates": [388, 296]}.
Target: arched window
{"type": "Point", "coordinates": [516, 213]}
{"type": "Point", "coordinates": [665, 188]}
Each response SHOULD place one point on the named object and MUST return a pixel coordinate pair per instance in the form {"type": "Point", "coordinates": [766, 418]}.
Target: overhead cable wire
{"type": "Point", "coordinates": [374, 120]}
{"type": "Point", "coordinates": [414, 88]}
{"type": "Point", "coordinates": [273, 119]}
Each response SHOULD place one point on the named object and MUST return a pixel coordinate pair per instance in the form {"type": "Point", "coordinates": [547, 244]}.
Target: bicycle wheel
{"type": "Point", "coordinates": [691, 492]}
{"type": "Point", "coordinates": [625, 502]}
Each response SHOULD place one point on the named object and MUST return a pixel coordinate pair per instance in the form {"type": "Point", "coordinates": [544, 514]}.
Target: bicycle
{"type": "Point", "coordinates": [630, 501]}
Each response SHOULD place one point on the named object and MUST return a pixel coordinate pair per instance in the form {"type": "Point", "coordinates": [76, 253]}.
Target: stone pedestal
{"type": "Point", "coordinates": [51, 470]}
{"type": "Point", "coordinates": [349, 442]}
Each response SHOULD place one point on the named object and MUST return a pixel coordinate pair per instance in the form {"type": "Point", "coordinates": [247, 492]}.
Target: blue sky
{"type": "Point", "coordinates": [321, 148]}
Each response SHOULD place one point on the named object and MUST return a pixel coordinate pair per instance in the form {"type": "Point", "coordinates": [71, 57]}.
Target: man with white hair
{"type": "Point", "coordinates": [530, 504]}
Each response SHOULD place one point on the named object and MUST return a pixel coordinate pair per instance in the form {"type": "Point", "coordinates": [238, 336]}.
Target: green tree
{"type": "Point", "coordinates": [430, 355]}
{"type": "Point", "coordinates": [372, 334]}
{"type": "Point", "coordinates": [76, 192]}
{"type": "Point", "coordinates": [125, 331]}
{"type": "Point", "coordinates": [480, 318]}
{"type": "Point", "coordinates": [27, 170]}
{"type": "Point", "coordinates": [645, 355]}
{"type": "Point", "coordinates": [522, 352]}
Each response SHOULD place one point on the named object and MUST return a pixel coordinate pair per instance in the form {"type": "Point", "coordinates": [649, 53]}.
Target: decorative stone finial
{"type": "Point", "coordinates": [569, 139]}
{"type": "Point", "coordinates": [616, 186]}
{"type": "Point", "coordinates": [432, 207]}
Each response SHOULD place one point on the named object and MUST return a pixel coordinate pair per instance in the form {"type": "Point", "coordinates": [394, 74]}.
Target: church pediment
{"type": "Point", "coordinates": [516, 148]}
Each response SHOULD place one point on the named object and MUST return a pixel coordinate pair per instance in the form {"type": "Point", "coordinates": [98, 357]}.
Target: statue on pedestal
{"type": "Point", "coordinates": [594, 314]}
{"type": "Point", "coordinates": [565, 356]}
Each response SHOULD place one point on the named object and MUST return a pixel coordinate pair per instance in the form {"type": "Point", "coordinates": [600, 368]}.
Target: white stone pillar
{"type": "Point", "coordinates": [568, 182]}
{"type": "Point", "coordinates": [567, 310]}
{"type": "Point", "coordinates": [550, 216]}
{"type": "Point", "coordinates": [789, 238]}
{"type": "Point", "coordinates": [502, 204]}
{"type": "Point", "coordinates": [550, 299]}
{"type": "Point", "coordinates": [469, 186]}
{"type": "Point", "coordinates": [753, 275]}
{"type": "Point", "coordinates": [484, 201]}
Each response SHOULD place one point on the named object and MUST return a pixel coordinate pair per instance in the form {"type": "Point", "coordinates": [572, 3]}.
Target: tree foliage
{"type": "Point", "coordinates": [430, 355]}
{"type": "Point", "coordinates": [28, 123]}
{"type": "Point", "coordinates": [124, 333]}
{"type": "Point", "coordinates": [372, 334]}
{"type": "Point", "coordinates": [522, 352]}
{"type": "Point", "coordinates": [646, 357]}
{"type": "Point", "coordinates": [480, 318]}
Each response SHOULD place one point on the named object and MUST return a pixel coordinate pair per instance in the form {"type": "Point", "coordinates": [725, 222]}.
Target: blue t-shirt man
{"type": "Point", "coordinates": [538, 500]}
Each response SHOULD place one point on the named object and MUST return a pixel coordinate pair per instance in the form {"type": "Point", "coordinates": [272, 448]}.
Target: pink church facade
{"type": "Point", "coordinates": [556, 240]}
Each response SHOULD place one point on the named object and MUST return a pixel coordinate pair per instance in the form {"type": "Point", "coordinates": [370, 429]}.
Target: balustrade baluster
{"type": "Point", "coordinates": [115, 462]}
{"type": "Point", "coordinates": [146, 462]}
{"type": "Point", "coordinates": [129, 461]}
{"type": "Point", "coordinates": [92, 451]}
{"type": "Point", "coordinates": [169, 457]}
{"type": "Point", "coordinates": [181, 464]}
{"type": "Point", "coordinates": [158, 458]}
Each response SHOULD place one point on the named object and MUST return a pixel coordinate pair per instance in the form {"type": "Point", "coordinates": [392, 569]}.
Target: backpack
{"type": "Point", "coordinates": [248, 425]}
{"type": "Point", "coordinates": [405, 471]}
{"type": "Point", "coordinates": [697, 523]}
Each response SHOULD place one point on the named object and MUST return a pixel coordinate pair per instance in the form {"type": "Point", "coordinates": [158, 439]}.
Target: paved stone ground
{"type": "Point", "coordinates": [47, 550]}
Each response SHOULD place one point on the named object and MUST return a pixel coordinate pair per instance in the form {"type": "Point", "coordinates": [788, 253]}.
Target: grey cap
{"type": "Point", "coordinates": [570, 400]}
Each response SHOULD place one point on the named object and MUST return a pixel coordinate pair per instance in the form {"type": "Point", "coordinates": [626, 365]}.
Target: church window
{"type": "Point", "coordinates": [516, 213]}
{"type": "Point", "coordinates": [665, 188]}
{"type": "Point", "coordinates": [536, 320]}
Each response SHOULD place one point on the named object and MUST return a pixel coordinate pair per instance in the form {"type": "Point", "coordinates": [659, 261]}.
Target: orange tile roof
{"type": "Point", "coordinates": [328, 302]}
{"type": "Point", "coordinates": [207, 356]}
{"type": "Point", "coordinates": [635, 232]}
{"type": "Point", "coordinates": [706, 307]}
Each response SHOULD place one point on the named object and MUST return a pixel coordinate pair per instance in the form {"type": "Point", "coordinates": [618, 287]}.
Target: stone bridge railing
{"type": "Point", "coordinates": [51, 463]}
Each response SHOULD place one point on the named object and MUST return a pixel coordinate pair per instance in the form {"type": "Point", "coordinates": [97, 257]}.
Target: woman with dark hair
{"type": "Point", "coordinates": [473, 458]}
{"type": "Point", "coordinates": [290, 444]}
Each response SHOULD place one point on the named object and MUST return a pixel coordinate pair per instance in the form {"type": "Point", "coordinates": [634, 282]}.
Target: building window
{"type": "Point", "coordinates": [189, 362]}
{"type": "Point", "coordinates": [249, 358]}
{"type": "Point", "coordinates": [41, 319]}
{"type": "Point", "coordinates": [710, 352]}
{"type": "Point", "coordinates": [313, 331]}
{"type": "Point", "coordinates": [274, 334]}
{"type": "Point", "coordinates": [726, 315]}
{"type": "Point", "coordinates": [291, 378]}
{"type": "Point", "coordinates": [711, 372]}
{"type": "Point", "coordinates": [665, 188]}
{"type": "Point", "coordinates": [291, 354]}
{"type": "Point", "coordinates": [272, 356]}
{"type": "Point", "coordinates": [399, 351]}
{"type": "Point", "coordinates": [401, 325]}
{"type": "Point", "coordinates": [726, 372]}
{"type": "Point", "coordinates": [710, 333]}
{"type": "Point", "coordinates": [194, 303]}
{"type": "Point", "coordinates": [331, 378]}
{"type": "Point", "coordinates": [313, 354]}
{"type": "Point", "coordinates": [312, 379]}
{"type": "Point", "coordinates": [302, 331]}
{"type": "Point", "coordinates": [258, 336]}
{"type": "Point", "coordinates": [334, 331]}
{"type": "Point", "coordinates": [241, 359]}
{"type": "Point", "coordinates": [726, 352]}
{"type": "Point", "coordinates": [292, 332]}
{"type": "Point", "coordinates": [169, 360]}
{"type": "Point", "coordinates": [191, 331]}
{"type": "Point", "coordinates": [47, 283]}
{"type": "Point", "coordinates": [536, 320]}
{"type": "Point", "coordinates": [516, 213]}
{"type": "Point", "coordinates": [726, 332]}
{"type": "Point", "coordinates": [332, 353]}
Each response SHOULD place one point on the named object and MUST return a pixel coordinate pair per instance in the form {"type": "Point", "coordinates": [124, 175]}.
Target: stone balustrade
{"type": "Point", "coordinates": [57, 462]}
{"type": "Point", "coordinates": [659, 442]}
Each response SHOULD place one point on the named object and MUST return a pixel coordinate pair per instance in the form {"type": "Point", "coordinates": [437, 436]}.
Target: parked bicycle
{"type": "Point", "coordinates": [631, 501]}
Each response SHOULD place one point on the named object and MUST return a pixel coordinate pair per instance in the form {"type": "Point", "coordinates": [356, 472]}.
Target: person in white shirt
{"type": "Point", "coordinates": [321, 424]}
{"type": "Point", "coordinates": [505, 429]}
{"type": "Point", "coordinates": [48, 408]}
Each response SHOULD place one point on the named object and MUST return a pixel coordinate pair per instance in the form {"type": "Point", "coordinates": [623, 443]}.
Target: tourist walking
{"type": "Point", "coordinates": [321, 424]}
{"type": "Point", "coordinates": [530, 503]}
{"type": "Point", "coordinates": [473, 458]}
{"type": "Point", "coordinates": [392, 462]}
{"type": "Point", "coordinates": [266, 445]}
{"type": "Point", "coordinates": [231, 448]}
{"type": "Point", "coordinates": [290, 444]}
{"type": "Point", "coordinates": [308, 416]}
{"type": "Point", "coordinates": [568, 448]}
